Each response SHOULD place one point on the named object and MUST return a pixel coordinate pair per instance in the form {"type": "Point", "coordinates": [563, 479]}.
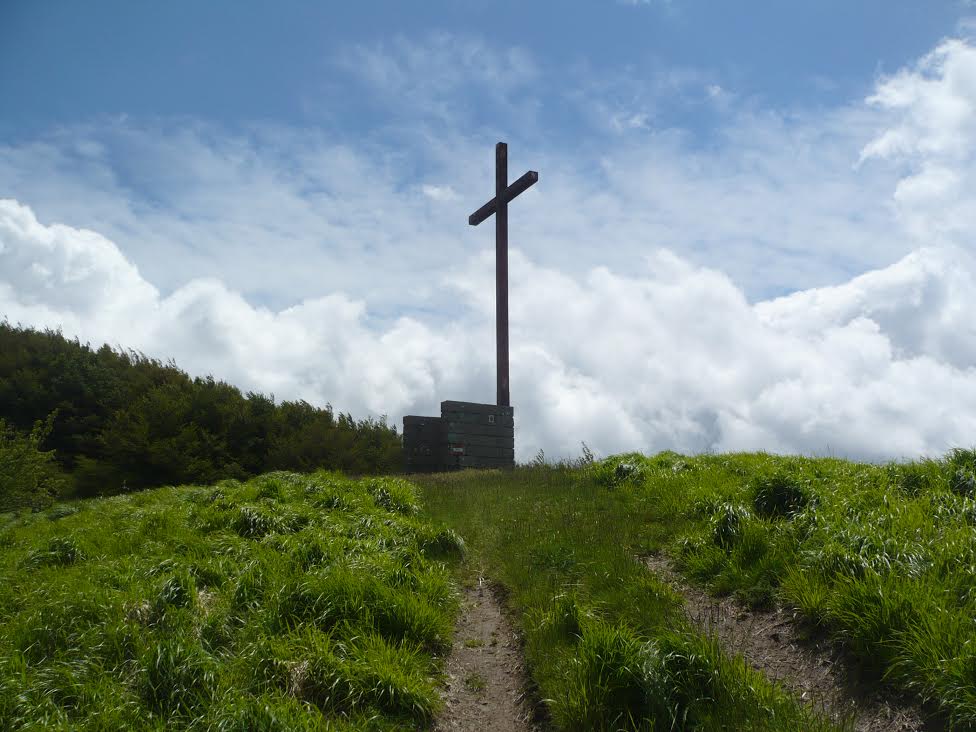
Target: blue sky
{"type": "Point", "coordinates": [239, 62]}
{"type": "Point", "coordinates": [277, 193]}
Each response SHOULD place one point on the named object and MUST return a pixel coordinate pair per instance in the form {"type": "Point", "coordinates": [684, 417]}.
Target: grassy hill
{"type": "Point", "coordinates": [288, 602]}
{"type": "Point", "coordinates": [880, 558]}
{"type": "Point", "coordinates": [319, 602]}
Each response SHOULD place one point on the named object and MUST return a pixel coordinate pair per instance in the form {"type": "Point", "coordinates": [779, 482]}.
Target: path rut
{"type": "Point", "coordinates": [814, 670]}
{"type": "Point", "coordinates": [487, 687]}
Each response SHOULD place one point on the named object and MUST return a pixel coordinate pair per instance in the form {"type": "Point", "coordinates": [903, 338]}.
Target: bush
{"type": "Point", "coordinates": [613, 682]}
{"type": "Point", "coordinates": [962, 472]}
{"type": "Point", "coordinates": [778, 494]}
{"type": "Point", "coordinates": [178, 677]}
{"type": "Point", "coordinates": [726, 524]}
{"type": "Point", "coordinates": [29, 476]}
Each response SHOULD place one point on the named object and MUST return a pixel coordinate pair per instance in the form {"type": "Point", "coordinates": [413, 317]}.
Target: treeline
{"type": "Point", "coordinates": [119, 421]}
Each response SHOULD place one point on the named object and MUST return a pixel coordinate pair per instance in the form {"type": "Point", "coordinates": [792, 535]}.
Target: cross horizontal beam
{"type": "Point", "coordinates": [519, 186]}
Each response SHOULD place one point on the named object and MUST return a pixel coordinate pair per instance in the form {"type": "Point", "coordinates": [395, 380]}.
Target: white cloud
{"type": "Point", "coordinates": [442, 77]}
{"type": "Point", "coordinates": [929, 134]}
{"type": "Point", "coordinates": [439, 193]}
{"type": "Point", "coordinates": [936, 100]}
{"type": "Point", "coordinates": [668, 356]}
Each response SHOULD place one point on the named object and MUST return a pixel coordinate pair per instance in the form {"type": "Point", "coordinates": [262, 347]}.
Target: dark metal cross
{"type": "Point", "coordinates": [499, 206]}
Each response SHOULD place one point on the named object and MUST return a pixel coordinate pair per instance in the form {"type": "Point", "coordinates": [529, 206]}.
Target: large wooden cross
{"type": "Point", "coordinates": [499, 206]}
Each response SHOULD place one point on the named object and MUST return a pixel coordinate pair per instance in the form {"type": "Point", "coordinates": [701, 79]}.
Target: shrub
{"type": "Point", "coordinates": [178, 677]}
{"type": "Point", "coordinates": [612, 681]}
{"type": "Point", "coordinates": [962, 472]}
{"type": "Point", "coordinates": [726, 524]}
{"type": "Point", "coordinates": [778, 494]}
{"type": "Point", "coordinates": [29, 476]}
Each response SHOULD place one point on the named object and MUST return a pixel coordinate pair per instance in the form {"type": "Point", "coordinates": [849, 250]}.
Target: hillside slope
{"type": "Point", "coordinates": [286, 603]}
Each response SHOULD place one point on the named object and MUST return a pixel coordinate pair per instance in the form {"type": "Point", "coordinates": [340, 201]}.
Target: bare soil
{"type": "Point", "coordinates": [487, 687]}
{"type": "Point", "coordinates": [814, 669]}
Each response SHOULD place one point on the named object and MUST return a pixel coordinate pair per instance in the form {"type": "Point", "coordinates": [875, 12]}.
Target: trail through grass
{"type": "Point", "coordinates": [289, 602]}
{"type": "Point", "coordinates": [882, 558]}
{"type": "Point", "coordinates": [605, 640]}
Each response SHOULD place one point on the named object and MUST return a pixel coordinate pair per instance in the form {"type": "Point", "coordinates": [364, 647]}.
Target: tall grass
{"type": "Point", "coordinates": [605, 641]}
{"type": "Point", "coordinates": [288, 602]}
{"type": "Point", "coordinates": [883, 557]}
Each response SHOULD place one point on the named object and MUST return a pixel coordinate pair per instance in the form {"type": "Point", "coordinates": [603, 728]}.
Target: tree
{"type": "Point", "coordinates": [29, 476]}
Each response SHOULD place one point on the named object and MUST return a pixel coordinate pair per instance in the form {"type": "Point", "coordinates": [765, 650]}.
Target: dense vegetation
{"type": "Point", "coordinates": [121, 421]}
{"type": "Point", "coordinates": [291, 602]}
{"type": "Point", "coordinates": [883, 558]}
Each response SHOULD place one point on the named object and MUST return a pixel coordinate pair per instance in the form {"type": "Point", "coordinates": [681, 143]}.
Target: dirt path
{"type": "Point", "coordinates": [813, 670]}
{"type": "Point", "coordinates": [487, 683]}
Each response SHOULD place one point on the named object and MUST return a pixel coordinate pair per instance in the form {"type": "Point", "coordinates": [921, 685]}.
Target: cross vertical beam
{"type": "Point", "coordinates": [499, 206]}
{"type": "Point", "coordinates": [501, 273]}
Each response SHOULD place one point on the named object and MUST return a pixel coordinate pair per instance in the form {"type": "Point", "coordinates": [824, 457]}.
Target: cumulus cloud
{"type": "Point", "coordinates": [320, 349]}
{"type": "Point", "coordinates": [936, 102]}
{"type": "Point", "coordinates": [669, 355]}
{"type": "Point", "coordinates": [930, 131]}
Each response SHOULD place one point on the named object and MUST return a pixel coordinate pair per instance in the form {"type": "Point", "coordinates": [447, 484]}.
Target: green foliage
{"type": "Point", "coordinates": [443, 543]}
{"type": "Point", "coordinates": [178, 678]}
{"type": "Point", "coordinates": [880, 557]}
{"type": "Point", "coordinates": [232, 607]}
{"type": "Point", "coordinates": [613, 681]}
{"type": "Point", "coordinates": [727, 524]}
{"type": "Point", "coordinates": [962, 472]}
{"type": "Point", "coordinates": [58, 552]}
{"type": "Point", "coordinates": [29, 476]}
{"type": "Point", "coordinates": [778, 494]}
{"type": "Point", "coordinates": [125, 421]}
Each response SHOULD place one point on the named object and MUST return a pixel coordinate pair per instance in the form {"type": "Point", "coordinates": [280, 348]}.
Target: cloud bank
{"type": "Point", "coordinates": [670, 355]}
{"type": "Point", "coordinates": [804, 285]}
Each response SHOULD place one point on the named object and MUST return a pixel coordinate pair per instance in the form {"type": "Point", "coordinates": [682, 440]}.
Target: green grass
{"type": "Point", "coordinates": [881, 557]}
{"type": "Point", "coordinates": [606, 642]}
{"type": "Point", "coordinates": [289, 602]}
{"type": "Point", "coordinates": [475, 682]}
{"type": "Point", "coordinates": [319, 602]}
